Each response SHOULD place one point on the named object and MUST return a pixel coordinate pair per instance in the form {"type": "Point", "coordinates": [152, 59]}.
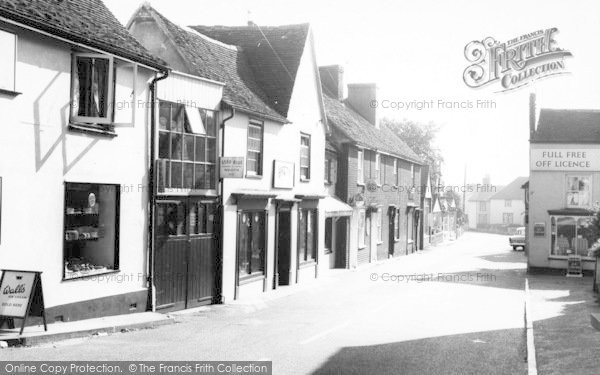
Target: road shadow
{"type": "Point", "coordinates": [492, 352]}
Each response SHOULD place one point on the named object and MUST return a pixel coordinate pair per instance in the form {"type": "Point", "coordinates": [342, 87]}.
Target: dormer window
{"type": "Point", "coordinates": [93, 87]}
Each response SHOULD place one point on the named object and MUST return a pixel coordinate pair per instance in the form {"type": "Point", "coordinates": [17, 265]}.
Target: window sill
{"type": "Point", "coordinates": [566, 257]}
{"type": "Point", "coordinates": [251, 278]}
{"type": "Point", "coordinates": [92, 129]}
{"type": "Point", "coordinates": [362, 247]}
{"type": "Point", "coordinates": [397, 239]}
{"type": "Point", "coordinates": [308, 263]}
{"type": "Point", "coordinates": [328, 251]}
{"type": "Point", "coordinates": [254, 176]}
{"type": "Point", "coordinates": [91, 275]}
{"type": "Point", "coordinates": [304, 179]}
{"type": "Point", "coordinates": [379, 243]}
{"type": "Point", "coordinates": [10, 93]}
{"type": "Point", "coordinates": [360, 183]}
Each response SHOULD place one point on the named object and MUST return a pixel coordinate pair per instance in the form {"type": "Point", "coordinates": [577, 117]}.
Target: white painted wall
{"type": "Point", "coordinates": [281, 142]}
{"type": "Point", "coordinates": [38, 154]}
{"type": "Point", "coordinates": [497, 209]}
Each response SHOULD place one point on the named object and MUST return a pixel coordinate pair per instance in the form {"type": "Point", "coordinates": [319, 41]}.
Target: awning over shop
{"type": "Point", "coordinates": [571, 212]}
{"type": "Point", "coordinates": [335, 207]}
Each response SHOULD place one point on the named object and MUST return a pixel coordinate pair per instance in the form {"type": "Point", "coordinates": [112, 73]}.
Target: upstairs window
{"type": "Point", "coordinates": [578, 191]}
{"type": "Point", "coordinates": [378, 168]}
{"type": "Point", "coordinates": [396, 174]}
{"type": "Point", "coordinates": [187, 149]}
{"type": "Point", "coordinates": [507, 203]}
{"type": "Point", "coordinates": [8, 58]}
{"type": "Point", "coordinates": [360, 160]}
{"type": "Point", "coordinates": [304, 157]}
{"type": "Point", "coordinates": [92, 99]}
{"type": "Point", "coordinates": [254, 158]}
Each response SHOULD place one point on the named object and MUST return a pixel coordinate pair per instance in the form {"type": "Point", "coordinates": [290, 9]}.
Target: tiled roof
{"type": "Point", "coordinates": [484, 195]}
{"type": "Point", "coordinates": [568, 125]}
{"type": "Point", "coordinates": [357, 129]}
{"type": "Point", "coordinates": [87, 22]}
{"type": "Point", "coordinates": [214, 60]}
{"type": "Point", "coordinates": [512, 191]}
{"type": "Point", "coordinates": [274, 54]}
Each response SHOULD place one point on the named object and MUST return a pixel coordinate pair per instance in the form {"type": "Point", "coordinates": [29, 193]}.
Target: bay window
{"type": "Point", "coordinates": [187, 147]}
{"type": "Point", "coordinates": [571, 235]}
{"type": "Point", "coordinates": [578, 191]}
{"type": "Point", "coordinates": [8, 59]}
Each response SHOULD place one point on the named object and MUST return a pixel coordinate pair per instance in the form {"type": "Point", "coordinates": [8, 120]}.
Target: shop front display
{"type": "Point", "coordinates": [91, 229]}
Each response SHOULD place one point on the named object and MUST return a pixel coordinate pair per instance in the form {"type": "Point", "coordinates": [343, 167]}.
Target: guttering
{"type": "Point", "coordinates": [152, 189]}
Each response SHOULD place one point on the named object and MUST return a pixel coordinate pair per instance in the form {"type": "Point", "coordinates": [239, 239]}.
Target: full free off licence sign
{"type": "Point", "coordinates": [565, 159]}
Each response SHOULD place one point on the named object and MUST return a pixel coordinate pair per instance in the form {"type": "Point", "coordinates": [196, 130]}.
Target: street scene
{"type": "Point", "coordinates": [267, 187]}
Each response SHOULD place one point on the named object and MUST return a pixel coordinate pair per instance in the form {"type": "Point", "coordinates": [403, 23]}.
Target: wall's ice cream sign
{"type": "Point", "coordinates": [515, 63]}
{"type": "Point", "coordinates": [544, 159]}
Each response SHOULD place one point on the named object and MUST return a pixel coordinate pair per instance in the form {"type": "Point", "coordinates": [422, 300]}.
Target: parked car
{"type": "Point", "coordinates": [518, 239]}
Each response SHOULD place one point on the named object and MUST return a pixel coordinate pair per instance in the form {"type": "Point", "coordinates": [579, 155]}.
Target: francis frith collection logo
{"type": "Point", "coordinates": [515, 63]}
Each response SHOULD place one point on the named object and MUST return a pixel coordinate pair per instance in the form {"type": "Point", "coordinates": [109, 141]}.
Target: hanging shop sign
{"type": "Point", "coordinates": [21, 296]}
{"type": "Point", "coordinates": [565, 159]}
{"type": "Point", "coordinates": [231, 167]}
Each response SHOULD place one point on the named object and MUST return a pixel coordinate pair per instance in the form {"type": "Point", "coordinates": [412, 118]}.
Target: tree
{"type": "Point", "coordinates": [419, 137]}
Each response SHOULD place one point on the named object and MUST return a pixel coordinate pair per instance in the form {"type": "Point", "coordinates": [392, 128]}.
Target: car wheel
{"type": "Point", "coordinates": [514, 248]}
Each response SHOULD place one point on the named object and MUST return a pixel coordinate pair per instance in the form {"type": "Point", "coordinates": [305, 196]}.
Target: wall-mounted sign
{"type": "Point", "coordinates": [231, 167]}
{"type": "Point", "coordinates": [539, 230]}
{"type": "Point", "coordinates": [565, 159]}
{"type": "Point", "coordinates": [21, 295]}
{"type": "Point", "coordinates": [283, 174]}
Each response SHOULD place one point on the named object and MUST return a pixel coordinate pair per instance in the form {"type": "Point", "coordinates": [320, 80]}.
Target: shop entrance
{"type": "Point", "coordinates": [185, 256]}
{"type": "Point", "coordinates": [283, 259]}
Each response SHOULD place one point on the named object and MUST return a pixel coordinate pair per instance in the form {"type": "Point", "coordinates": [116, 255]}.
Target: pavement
{"type": "Point", "coordinates": [453, 309]}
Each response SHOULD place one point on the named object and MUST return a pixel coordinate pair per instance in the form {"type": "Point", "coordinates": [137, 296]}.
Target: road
{"type": "Point", "coordinates": [455, 308]}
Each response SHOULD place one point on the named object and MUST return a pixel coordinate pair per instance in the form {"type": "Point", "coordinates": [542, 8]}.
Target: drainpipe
{"type": "Point", "coordinates": [222, 209]}
{"type": "Point", "coordinates": [152, 188]}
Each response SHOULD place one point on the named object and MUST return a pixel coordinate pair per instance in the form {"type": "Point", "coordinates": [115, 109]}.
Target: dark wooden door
{"type": "Point", "coordinates": [284, 242]}
{"type": "Point", "coordinates": [185, 256]}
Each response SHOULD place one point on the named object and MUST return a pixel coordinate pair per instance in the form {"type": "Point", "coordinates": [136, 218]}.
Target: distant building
{"type": "Point", "coordinates": [498, 206]}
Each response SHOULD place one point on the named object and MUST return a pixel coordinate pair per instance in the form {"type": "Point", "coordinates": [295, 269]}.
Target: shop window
{"type": "Point", "coordinates": [304, 157]}
{"type": "Point", "coordinates": [252, 244]}
{"type": "Point", "coordinates": [171, 219]}
{"type": "Point", "coordinates": [91, 229]}
{"type": "Point", "coordinates": [362, 228]}
{"type": "Point", "coordinates": [254, 159]}
{"type": "Point", "coordinates": [8, 46]}
{"type": "Point", "coordinates": [93, 86]}
{"type": "Point", "coordinates": [328, 235]}
{"type": "Point", "coordinates": [507, 218]}
{"type": "Point", "coordinates": [187, 149]}
{"type": "Point", "coordinates": [571, 235]}
{"type": "Point", "coordinates": [578, 191]}
{"type": "Point", "coordinates": [360, 161]}
{"type": "Point", "coordinates": [307, 235]}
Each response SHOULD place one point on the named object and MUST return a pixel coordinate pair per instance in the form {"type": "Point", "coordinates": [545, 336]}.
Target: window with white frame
{"type": "Point", "coordinates": [8, 59]}
{"type": "Point", "coordinates": [304, 156]}
{"type": "Point", "coordinates": [378, 168]}
{"type": "Point", "coordinates": [578, 191]}
{"type": "Point", "coordinates": [362, 218]}
{"type": "Point", "coordinates": [254, 157]}
{"type": "Point", "coordinates": [360, 161]}
{"type": "Point", "coordinates": [92, 100]}
{"type": "Point", "coordinates": [508, 203]}
{"type": "Point", "coordinates": [412, 174]}
{"type": "Point", "coordinates": [571, 235]}
{"type": "Point", "coordinates": [396, 174]}
{"type": "Point", "coordinates": [482, 206]}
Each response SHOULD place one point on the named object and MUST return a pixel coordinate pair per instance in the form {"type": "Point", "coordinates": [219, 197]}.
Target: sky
{"type": "Point", "coordinates": [414, 51]}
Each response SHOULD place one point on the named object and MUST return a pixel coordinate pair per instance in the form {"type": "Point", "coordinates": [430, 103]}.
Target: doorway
{"type": "Point", "coordinates": [283, 259]}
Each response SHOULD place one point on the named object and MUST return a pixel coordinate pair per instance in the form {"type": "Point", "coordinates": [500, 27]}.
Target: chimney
{"type": "Point", "coordinates": [486, 180]}
{"type": "Point", "coordinates": [363, 98]}
{"type": "Point", "coordinates": [332, 79]}
{"type": "Point", "coordinates": [531, 115]}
